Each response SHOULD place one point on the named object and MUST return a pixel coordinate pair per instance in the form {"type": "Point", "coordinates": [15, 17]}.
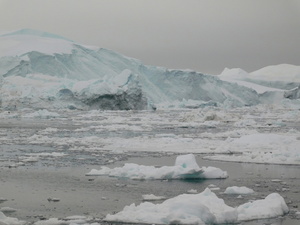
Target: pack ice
{"type": "Point", "coordinates": [44, 70]}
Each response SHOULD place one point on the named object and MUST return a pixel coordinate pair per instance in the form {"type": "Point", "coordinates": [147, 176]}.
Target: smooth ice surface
{"type": "Point", "coordinates": [203, 208]}
{"type": "Point", "coordinates": [185, 167]}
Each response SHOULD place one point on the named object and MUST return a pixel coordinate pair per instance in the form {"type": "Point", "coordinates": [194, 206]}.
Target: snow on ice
{"type": "Point", "coordinates": [202, 208]}
{"type": "Point", "coordinates": [185, 167]}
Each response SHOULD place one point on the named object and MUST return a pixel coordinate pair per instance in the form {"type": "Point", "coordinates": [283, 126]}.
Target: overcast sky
{"type": "Point", "coordinates": [204, 35]}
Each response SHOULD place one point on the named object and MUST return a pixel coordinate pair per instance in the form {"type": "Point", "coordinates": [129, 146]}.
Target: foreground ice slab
{"type": "Point", "coordinates": [185, 167]}
{"type": "Point", "coordinates": [203, 208]}
{"type": "Point", "coordinates": [5, 220]}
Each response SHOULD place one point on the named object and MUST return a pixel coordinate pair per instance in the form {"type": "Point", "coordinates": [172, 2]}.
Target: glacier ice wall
{"type": "Point", "coordinates": [90, 78]}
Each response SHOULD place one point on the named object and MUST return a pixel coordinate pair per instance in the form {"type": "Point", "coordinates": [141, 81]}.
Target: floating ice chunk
{"type": "Point", "coordinates": [192, 191]}
{"type": "Point", "coordinates": [45, 154]}
{"type": "Point", "coordinates": [200, 208]}
{"type": "Point", "coordinates": [185, 167]}
{"type": "Point", "coordinates": [51, 221]}
{"type": "Point", "coordinates": [71, 220]}
{"type": "Point", "coordinates": [152, 197]}
{"type": "Point", "coordinates": [3, 200]}
{"type": "Point", "coordinates": [31, 159]}
{"type": "Point", "coordinates": [272, 206]}
{"type": "Point", "coordinates": [5, 220]}
{"type": "Point", "coordinates": [76, 217]}
{"type": "Point", "coordinates": [238, 190]}
{"type": "Point", "coordinates": [53, 199]}
{"type": "Point", "coordinates": [276, 180]}
{"type": "Point", "coordinates": [43, 114]}
{"type": "Point", "coordinates": [245, 123]}
{"type": "Point", "coordinates": [7, 210]}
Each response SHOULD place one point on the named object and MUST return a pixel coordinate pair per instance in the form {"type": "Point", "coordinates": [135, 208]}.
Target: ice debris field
{"type": "Point", "coordinates": [64, 106]}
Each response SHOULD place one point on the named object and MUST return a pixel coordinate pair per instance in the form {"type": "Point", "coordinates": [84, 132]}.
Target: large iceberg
{"type": "Point", "coordinates": [44, 70]}
{"type": "Point", "coordinates": [272, 83]}
{"type": "Point", "coordinates": [60, 73]}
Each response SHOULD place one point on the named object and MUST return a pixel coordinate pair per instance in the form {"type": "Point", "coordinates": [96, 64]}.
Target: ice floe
{"type": "Point", "coordinates": [185, 167]}
{"type": "Point", "coordinates": [202, 208]}
{"type": "Point", "coordinates": [234, 190]}
{"type": "Point", "coordinates": [152, 197]}
{"type": "Point", "coordinates": [272, 206]}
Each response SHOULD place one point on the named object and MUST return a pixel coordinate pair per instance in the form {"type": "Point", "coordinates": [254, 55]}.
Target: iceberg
{"type": "Point", "coordinates": [272, 206]}
{"type": "Point", "coordinates": [5, 220]}
{"type": "Point", "coordinates": [234, 190]}
{"type": "Point", "coordinates": [88, 77]}
{"type": "Point", "coordinates": [202, 208]}
{"type": "Point", "coordinates": [60, 73]}
{"type": "Point", "coordinates": [185, 167]}
{"type": "Point", "coordinates": [272, 83]}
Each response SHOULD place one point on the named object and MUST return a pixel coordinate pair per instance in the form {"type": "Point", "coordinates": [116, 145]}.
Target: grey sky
{"type": "Point", "coordinates": [204, 35]}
